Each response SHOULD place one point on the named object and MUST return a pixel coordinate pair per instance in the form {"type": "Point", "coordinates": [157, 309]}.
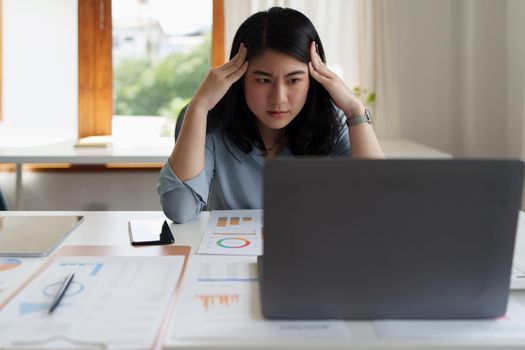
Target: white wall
{"type": "Point", "coordinates": [515, 77]}
{"type": "Point", "coordinates": [427, 69]}
{"type": "Point", "coordinates": [453, 72]}
{"type": "Point", "coordinates": [483, 97]}
{"type": "Point", "coordinates": [40, 67]}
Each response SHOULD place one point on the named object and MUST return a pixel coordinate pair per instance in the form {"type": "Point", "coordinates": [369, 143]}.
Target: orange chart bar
{"type": "Point", "coordinates": [219, 299]}
{"type": "Point", "coordinates": [222, 221]}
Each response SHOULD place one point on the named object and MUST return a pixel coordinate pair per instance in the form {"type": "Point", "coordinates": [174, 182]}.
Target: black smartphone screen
{"type": "Point", "coordinates": [150, 232]}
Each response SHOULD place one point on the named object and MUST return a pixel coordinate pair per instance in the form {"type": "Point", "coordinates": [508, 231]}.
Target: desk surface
{"type": "Point", "coordinates": [156, 151]}
{"type": "Point", "coordinates": [65, 152]}
{"type": "Point", "coordinates": [110, 228]}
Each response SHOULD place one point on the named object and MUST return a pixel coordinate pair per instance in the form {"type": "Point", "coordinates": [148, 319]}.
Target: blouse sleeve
{"type": "Point", "coordinates": [182, 201]}
{"type": "Point", "coordinates": [342, 146]}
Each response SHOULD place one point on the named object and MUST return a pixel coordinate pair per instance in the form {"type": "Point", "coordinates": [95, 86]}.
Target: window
{"type": "Point", "coordinates": [164, 56]}
{"type": "Point", "coordinates": [153, 75]}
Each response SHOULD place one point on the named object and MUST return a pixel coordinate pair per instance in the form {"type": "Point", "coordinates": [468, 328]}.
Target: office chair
{"type": "Point", "coordinates": [3, 203]}
{"type": "Point", "coordinates": [178, 124]}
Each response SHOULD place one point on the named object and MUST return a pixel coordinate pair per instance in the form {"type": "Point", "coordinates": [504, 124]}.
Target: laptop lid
{"type": "Point", "coordinates": [34, 236]}
{"type": "Point", "coordinates": [361, 239]}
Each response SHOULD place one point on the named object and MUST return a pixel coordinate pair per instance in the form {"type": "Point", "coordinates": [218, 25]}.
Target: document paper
{"type": "Point", "coordinates": [113, 302]}
{"type": "Point", "coordinates": [509, 327]}
{"type": "Point", "coordinates": [13, 271]}
{"type": "Point", "coordinates": [233, 232]}
{"type": "Point", "coordinates": [220, 300]}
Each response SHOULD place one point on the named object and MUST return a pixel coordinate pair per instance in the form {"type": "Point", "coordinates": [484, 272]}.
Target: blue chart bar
{"type": "Point", "coordinates": [94, 272]}
{"type": "Point", "coordinates": [28, 308]}
{"type": "Point", "coordinates": [97, 268]}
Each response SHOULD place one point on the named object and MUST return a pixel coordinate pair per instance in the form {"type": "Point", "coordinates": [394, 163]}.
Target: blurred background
{"type": "Point", "coordinates": [447, 74]}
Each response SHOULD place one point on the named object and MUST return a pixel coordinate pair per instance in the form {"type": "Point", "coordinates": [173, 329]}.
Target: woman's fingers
{"type": "Point", "coordinates": [235, 63]}
{"type": "Point", "coordinates": [314, 57]}
{"type": "Point", "coordinates": [219, 80]}
{"type": "Point", "coordinates": [318, 64]}
{"type": "Point", "coordinates": [232, 78]}
{"type": "Point", "coordinates": [316, 75]}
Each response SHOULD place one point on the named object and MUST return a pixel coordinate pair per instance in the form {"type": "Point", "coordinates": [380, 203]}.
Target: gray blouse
{"type": "Point", "coordinates": [231, 179]}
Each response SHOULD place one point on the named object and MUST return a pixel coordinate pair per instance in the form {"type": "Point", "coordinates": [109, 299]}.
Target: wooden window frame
{"type": "Point", "coordinates": [95, 71]}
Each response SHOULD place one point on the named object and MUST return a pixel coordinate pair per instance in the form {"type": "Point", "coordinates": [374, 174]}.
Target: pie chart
{"type": "Point", "coordinates": [235, 242]}
{"type": "Point", "coordinates": [9, 264]}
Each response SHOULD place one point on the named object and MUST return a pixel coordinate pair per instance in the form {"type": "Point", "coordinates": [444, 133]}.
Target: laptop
{"type": "Point", "coordinates": [34, 236]}
{"type": "Point", "coordinates": [388, 239]}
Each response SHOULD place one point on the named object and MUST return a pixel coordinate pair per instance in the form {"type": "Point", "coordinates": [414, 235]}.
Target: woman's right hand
{"type": "Point", "coordinates": [218, 80]}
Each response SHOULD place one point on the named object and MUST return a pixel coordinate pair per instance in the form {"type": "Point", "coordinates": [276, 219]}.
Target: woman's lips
{"type": "Point", "coordinates": [277, 114]}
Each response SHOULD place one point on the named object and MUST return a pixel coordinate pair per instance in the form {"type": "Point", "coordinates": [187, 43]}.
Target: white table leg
{"type": "Point", "coordinates": [18, 187]}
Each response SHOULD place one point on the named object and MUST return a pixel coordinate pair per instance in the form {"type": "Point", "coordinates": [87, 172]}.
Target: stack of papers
{"type": "Point", "coordinates": [113, 302]}
{"type": "Point", "coordinates": [220, 300]}
{"type": "Point", "coordinates": [509, 327]}
{"type": "Point", "coordinates": [94, 141]}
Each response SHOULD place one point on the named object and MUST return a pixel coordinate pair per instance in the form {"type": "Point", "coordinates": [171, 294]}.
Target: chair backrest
{"type": "Point", "coordinates": [178, 124]}
{"type": "Point", "coordinates": [3, 203]}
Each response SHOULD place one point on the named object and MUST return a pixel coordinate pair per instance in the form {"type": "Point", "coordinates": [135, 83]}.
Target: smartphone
{"type": "Point", "coordinates": [150, 232]}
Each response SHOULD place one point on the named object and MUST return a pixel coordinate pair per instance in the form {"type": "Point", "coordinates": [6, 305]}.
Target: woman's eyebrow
{"type": "Point", "coordinates": [260, 72]}
{"type": "Point", "coordinates": [299, 71]}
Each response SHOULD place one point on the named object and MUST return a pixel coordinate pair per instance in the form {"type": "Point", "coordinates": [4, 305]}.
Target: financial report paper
{"type": "Point", "coordinates": [113, 302]}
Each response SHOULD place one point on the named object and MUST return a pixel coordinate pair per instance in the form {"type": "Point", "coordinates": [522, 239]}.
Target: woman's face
{"type": "Point", "coordinates": [275, 88]}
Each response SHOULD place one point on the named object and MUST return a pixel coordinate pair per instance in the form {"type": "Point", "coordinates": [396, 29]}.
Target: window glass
{"type": "Point", "coordinates": [161, 52]}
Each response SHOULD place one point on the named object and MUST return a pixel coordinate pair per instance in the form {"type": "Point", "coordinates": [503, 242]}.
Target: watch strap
{"type": "Point", "coordinates": [359, 119]}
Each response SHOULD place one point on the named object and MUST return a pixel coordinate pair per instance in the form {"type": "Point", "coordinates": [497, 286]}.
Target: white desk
{"type": "Point", "coordinates": [48, 152]}
{"type": "Point", "coordinates": [110, 228]}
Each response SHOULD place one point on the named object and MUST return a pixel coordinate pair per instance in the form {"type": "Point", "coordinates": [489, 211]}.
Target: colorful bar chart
{"type": "Point", "coordinates": [233, 232]}
{"type": "Point", "coordinates": [222, 300]}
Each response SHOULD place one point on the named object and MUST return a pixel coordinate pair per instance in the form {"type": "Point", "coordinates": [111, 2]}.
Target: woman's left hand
{"type": "Point", "coordinates": [342, 96]}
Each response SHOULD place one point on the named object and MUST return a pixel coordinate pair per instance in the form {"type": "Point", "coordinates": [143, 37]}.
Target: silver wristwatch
{"type": "Point", "coordinates": [359, 119]}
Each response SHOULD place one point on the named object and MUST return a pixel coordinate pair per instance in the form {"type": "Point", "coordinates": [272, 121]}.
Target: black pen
{"type": "Point", "coordinates": [61, 292]}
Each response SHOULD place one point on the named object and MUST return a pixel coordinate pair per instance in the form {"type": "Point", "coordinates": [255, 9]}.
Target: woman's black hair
{"type": "Point", "coordinates": [315, 129]}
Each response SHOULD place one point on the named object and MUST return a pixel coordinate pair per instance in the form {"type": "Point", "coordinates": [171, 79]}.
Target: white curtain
{"type": "Point", "coordinates": [377, 64]}
{"type": "Point", "coordinates": [334, 20]}
{"type": "Point", "coordinates": [358, 42]}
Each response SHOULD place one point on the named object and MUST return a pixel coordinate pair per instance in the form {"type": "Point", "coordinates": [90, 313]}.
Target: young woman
{"type": "Point", "coordinates": [274, 97]}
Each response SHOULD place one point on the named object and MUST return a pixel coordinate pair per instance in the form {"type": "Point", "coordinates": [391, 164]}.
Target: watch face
{"type": "Point", "coordinates": [368, 116]}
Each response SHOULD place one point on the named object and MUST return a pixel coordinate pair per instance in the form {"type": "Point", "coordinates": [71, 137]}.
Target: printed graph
{"type": "Point", "coordinates": [94, 267]}
{"type": "Point", "coordinates": [236, 225]}
{"type": "Point", "coordinates": [218, 300]}
{"type": "Point", "coordinates": [227, 272]}
{"type": "Point", "coordinates": [235, 242]}
{"type": "Point", "coordinates": [235, 232]}
{"type": "Point", "coordinates": [52, 289]}
{"type": "Point", "coordinates": [30, 308]}
{"type": "Point", "coordinates": [9, 264]}
{"type": "Point", "coordinates": [234, 220]}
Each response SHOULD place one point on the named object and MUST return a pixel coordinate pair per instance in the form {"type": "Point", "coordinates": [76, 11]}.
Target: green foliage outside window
{"type": "Point", "coordinates": [162, 89]}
